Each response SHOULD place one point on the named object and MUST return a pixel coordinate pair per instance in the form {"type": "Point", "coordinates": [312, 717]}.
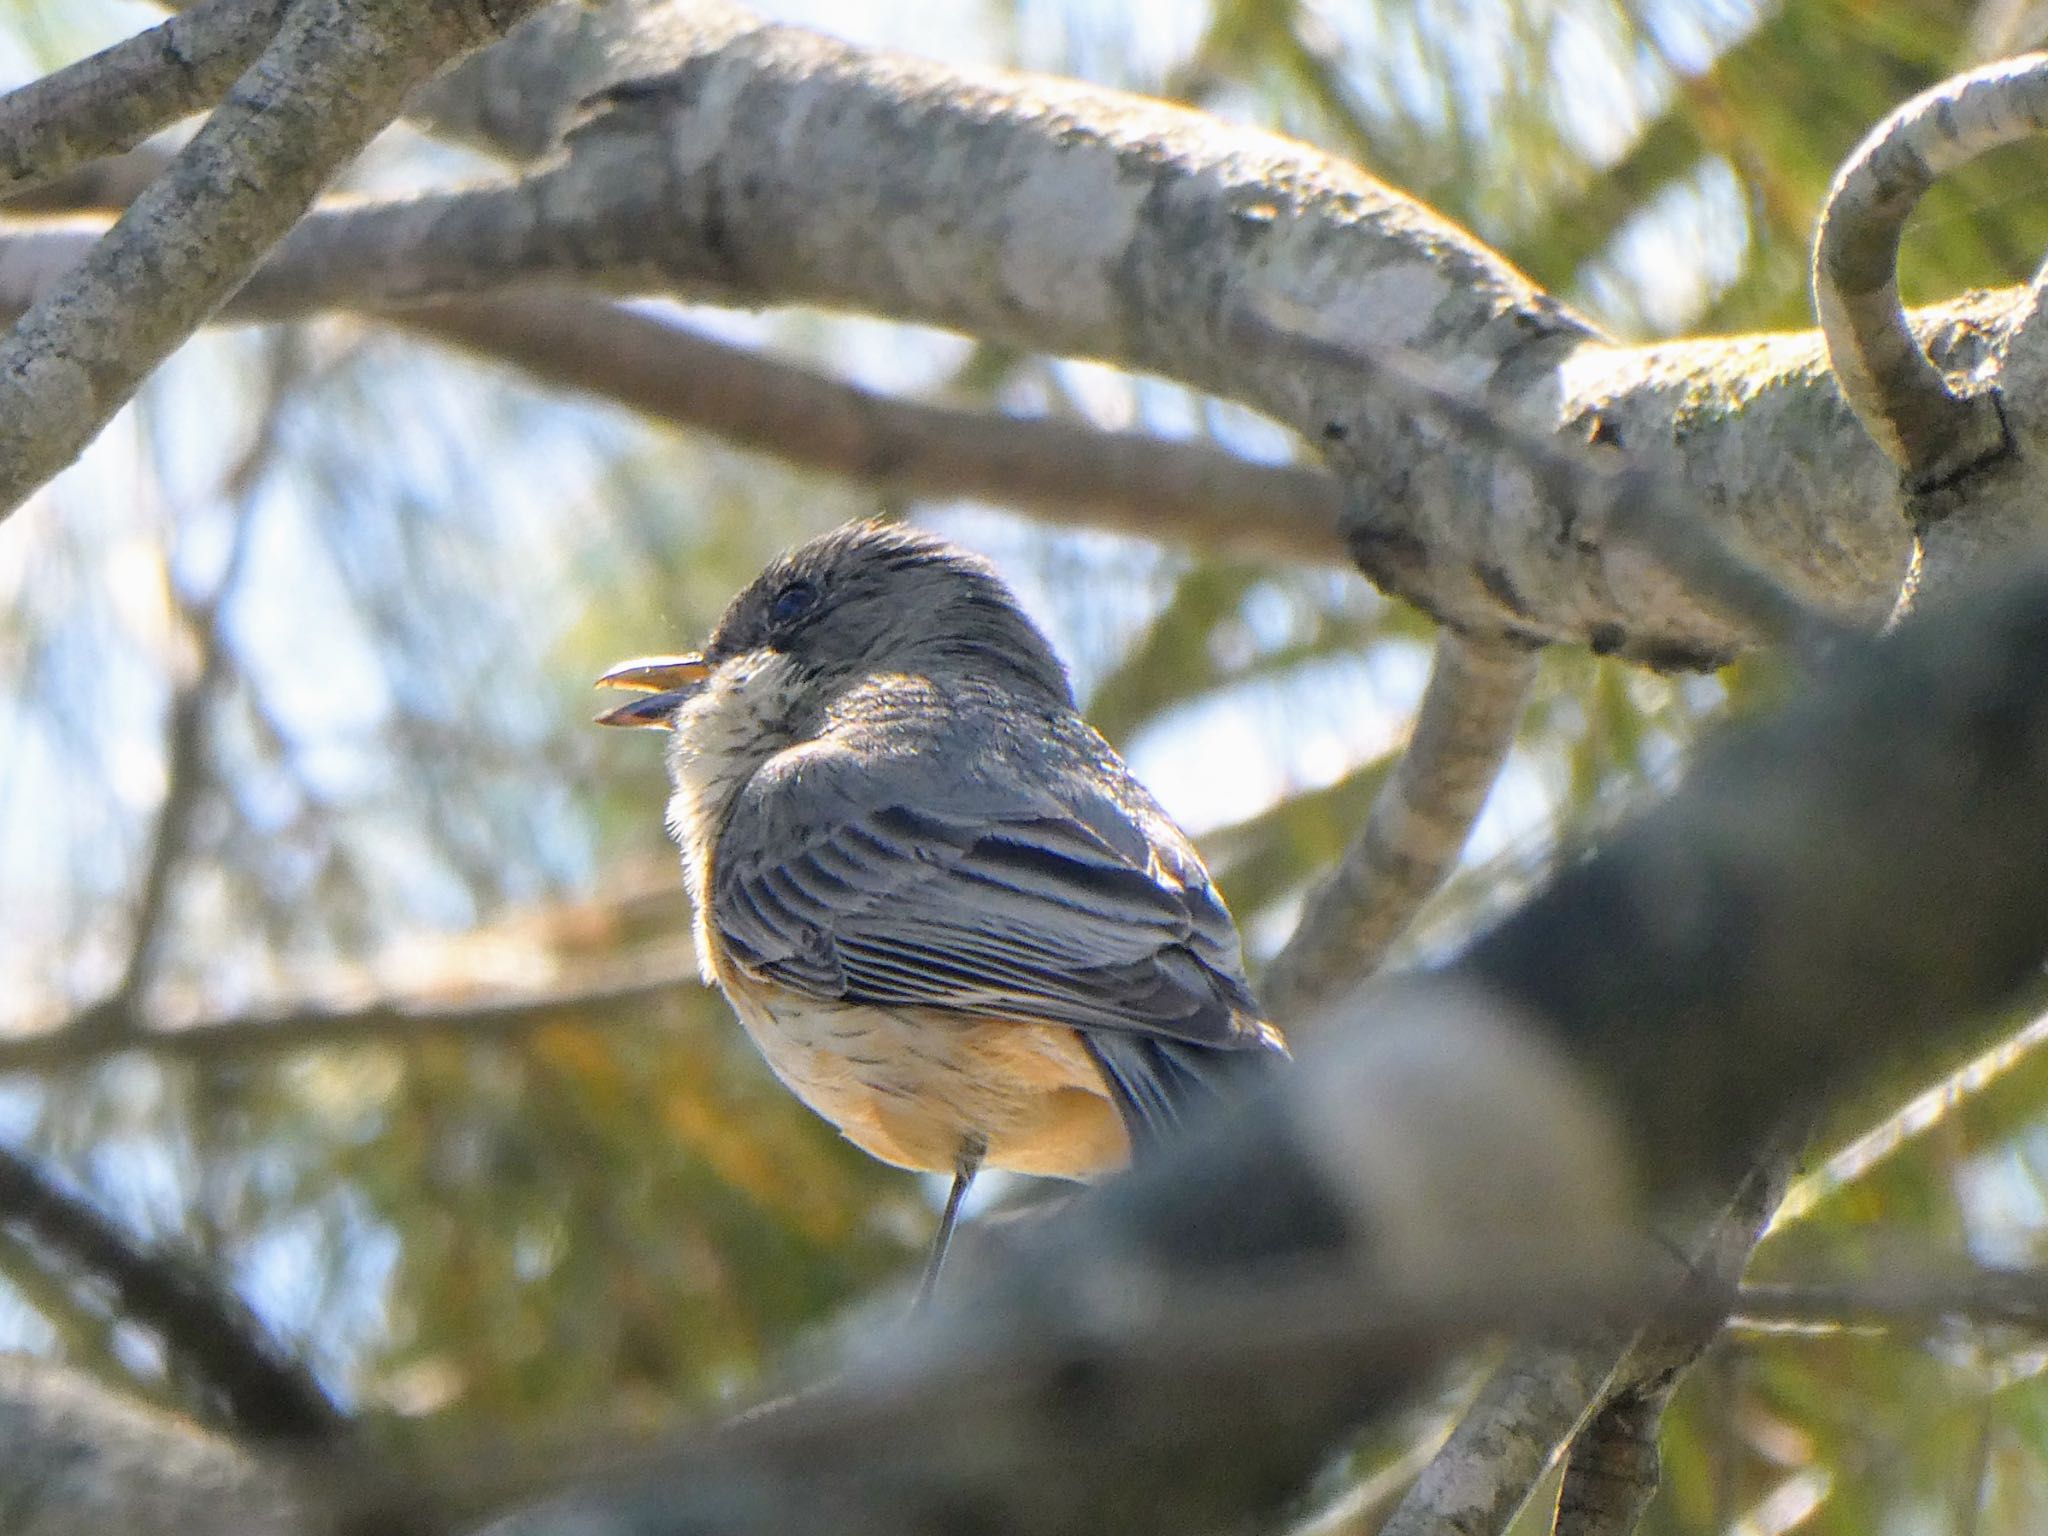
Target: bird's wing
{"type": "Point", "coordinates": [852, 881]}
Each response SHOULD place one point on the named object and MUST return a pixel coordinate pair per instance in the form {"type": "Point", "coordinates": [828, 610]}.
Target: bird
{"type": "Point", "coordinates": [947, 914]}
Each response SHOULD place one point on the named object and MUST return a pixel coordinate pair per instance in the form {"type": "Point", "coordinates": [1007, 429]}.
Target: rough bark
{"type": "Point", "coordinates": [333, 75]}
{"type": "Point", "coordinates": [767, 165]}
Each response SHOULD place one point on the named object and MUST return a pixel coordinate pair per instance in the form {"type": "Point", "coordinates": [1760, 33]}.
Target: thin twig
{"type": "Point", "coordinates": [384, 1021]}
{"type": "Point", "coordinates": [1418, 824]}
{"type": "Point", "coordinates": [1934, 433]}
{"type": "Point", "coordinates": [112, 101]}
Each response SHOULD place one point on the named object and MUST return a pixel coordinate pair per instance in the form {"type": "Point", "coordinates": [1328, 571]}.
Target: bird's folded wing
{"type": "Point", "coordinates": [1091, 915]}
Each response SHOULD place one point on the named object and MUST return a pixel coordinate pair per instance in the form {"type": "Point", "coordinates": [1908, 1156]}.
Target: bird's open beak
{"type": "Point", "coordinates": [667, 682]}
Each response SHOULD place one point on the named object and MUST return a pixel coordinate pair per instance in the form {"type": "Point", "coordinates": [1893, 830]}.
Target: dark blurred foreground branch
{"type": "Point", "coordinates": [1826, 890]}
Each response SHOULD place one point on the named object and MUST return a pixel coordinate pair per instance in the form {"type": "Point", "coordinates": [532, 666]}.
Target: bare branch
{"type": "Point", "coordinates": [1537, 1401]}
{"type": "Point", "coordinates": [1612, 1467]}
{"type": "Point", "coordinates": [767, 165]}
{"type": "Point", "coordinates": [1418, 824]}
{"type": "Point", "coordinates": [1935, 434]}
{"type": "Point", "coordinates": [263, 1390]}
{"type": "Point", "coordinates": [333, 75]}
{"type": "Point", "coordinates": [1061, 471]}
{"type": "Point", "coordinates": [121, 95]}
{"type": "Point", "coordinates": [383, 1021]}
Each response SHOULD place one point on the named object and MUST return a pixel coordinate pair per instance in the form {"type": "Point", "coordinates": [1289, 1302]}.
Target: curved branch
{"type": "Point", "coordinates": [115, 99]}
{"type": "Point", "coordinates": [1061, 471]}
{"type": "Point", "coordinates": [1933, 433]}
{"type": "Point", "coordinates": [1418, 824]}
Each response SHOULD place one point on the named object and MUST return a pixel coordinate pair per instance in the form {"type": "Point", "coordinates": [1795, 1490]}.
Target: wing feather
{"type": "Point", "coordinates": [862, 888]}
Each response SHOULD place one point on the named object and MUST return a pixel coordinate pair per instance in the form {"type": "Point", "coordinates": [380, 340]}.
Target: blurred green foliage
{"type": "Point", "coordinates": [411, 566]}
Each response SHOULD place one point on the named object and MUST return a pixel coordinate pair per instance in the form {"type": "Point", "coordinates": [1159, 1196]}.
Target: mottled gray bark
{"type": "Point", "coordinates": [334, 74]}
{"type": "Point", "coordinates": [1417, 827]}
{"type": "Point", "coordinates": [114, 100]}
{"type": "Point", "coordinates": [766, 165]}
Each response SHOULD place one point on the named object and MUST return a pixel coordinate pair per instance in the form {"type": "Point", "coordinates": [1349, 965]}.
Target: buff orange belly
{"type": "Point", "coordinates": [912, 1085]}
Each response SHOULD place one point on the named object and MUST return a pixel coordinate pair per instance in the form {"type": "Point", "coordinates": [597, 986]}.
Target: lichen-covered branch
{"type": "Point", "coordinates": [334, 74]}
{"type": "Point", "coordinates": [1417, 826]}
{"type": "Point", "coordinates": [115, 99]}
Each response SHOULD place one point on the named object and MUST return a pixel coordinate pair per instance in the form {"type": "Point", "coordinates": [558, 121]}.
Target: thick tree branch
{"type": "Point", "coordinates": [767, 165]}
{"type": "Point", "coordinates": [333, 75]}
{"type": "Point", "coordinates": [1417, 827]}
{"type": "Point", "coordinates": [1061, 471]}
{"type": "Point", "coordinates": [114, 100]}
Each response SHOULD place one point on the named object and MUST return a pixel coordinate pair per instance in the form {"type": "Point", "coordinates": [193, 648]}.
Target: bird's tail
{"type": "Point", "coordinates": [1160, 1086]}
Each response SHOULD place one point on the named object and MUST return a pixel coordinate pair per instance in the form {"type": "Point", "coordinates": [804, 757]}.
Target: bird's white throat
{"type": "Point", "coordinates": [741, 717]}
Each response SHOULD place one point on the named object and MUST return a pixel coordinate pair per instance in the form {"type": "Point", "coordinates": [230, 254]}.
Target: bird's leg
{"type": "Point", "coordinates": [966, 1163]}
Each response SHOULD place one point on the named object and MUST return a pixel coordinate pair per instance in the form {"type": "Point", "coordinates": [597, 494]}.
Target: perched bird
{"type": "Point", "coordinates": [948, 916]}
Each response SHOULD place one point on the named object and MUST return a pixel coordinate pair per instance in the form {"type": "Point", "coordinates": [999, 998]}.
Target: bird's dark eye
{"type": "Point", "coordinates": [793, 602]}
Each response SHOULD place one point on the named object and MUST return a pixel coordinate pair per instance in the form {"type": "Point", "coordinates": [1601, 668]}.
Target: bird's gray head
{"type": "Point", "coordinates": [865, 599]}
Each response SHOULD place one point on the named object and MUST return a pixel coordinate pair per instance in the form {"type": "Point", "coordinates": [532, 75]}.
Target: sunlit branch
{"type": "Point", "coordinates": [112, 101]}
{"type": "Point", "coordinates": [1417, 826]}
{"type": "Point", "coordinates": [332, 76]}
